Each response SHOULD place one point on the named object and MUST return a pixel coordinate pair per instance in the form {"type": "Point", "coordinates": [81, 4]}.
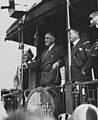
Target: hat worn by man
{"type": "Point", "coordinates": [30, 52]}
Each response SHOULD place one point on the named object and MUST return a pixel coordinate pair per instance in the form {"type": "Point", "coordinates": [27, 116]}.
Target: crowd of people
{"type": "Point", "coordinates": [26, 115]}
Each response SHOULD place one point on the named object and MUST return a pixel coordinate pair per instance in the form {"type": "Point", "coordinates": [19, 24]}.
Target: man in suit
{"type": "Point", "coordinates": [49, 75]}
{"type": "Point", "coordinates": [26, 82]}
{"type": "Point", "coordinates": [27, 57]}
{"type": "Point", "coordinates": [81, 60]}
{"type": "Point", "coordinates": [94, 21]}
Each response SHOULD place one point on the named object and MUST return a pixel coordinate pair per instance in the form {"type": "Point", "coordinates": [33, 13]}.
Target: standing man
{"type": "Point", "coordinates": [94, 21]}
{"type": "Point", "coordinates": [49, 75]}
{"type": "Point", "coordinates": [27, 82]}
{"type": "Point", "coordinates": [27, 57]}
{"type": "Point", "coordinates": [81, 60]}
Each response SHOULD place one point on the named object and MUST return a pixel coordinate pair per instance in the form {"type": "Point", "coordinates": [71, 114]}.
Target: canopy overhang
{"type": "Point", "coordinates": [38, 16]}
{"type": "Point", "coordinates": [34, 16]}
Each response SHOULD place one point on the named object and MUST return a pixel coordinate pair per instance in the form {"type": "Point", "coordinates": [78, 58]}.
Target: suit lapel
{"type": "Point", "coordinates": [76, 47]}
{"type": "Point", "coordinates": [45, 57]}
{"type": "Point", "coordinates": [51, 51]}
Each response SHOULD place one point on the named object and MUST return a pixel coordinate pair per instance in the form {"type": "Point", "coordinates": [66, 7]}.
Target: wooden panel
{"type": "Point", "coordinates": [69, 101]}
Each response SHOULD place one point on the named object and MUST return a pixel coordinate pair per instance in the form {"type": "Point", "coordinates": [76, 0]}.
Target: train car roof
{"type": "Point", "coordinates": [39, 13]}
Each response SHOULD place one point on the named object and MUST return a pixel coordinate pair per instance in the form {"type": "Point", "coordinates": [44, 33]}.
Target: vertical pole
{"type": "Point", "coordinates": [36, 39]}
{"type": "Point", "coordinates": [68, 87]}
{"type": "Point", "coordinates": [22, 52]}
{"type": "Point", "coordinates": [69, 44]}
{"type": "Point", "coordinates": [21, 47]}
{"type": "Point", "coordinates": [0, 94]}
{"type": "Point", "coordinates": [69, 100]}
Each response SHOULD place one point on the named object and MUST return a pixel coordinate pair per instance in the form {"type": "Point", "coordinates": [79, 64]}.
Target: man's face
{"type": "Point", "coordinates": [26, 57]}
{"type": "Point", "coordinates": [73, 35]}
{"type": "Point", "coordinates": [49, 39]}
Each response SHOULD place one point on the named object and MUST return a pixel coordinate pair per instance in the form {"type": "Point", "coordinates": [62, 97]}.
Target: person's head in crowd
{"type": "Point", "coordinates": [49, 39]}
{"type": "Point", "coordinates": [3, 113]}
{"type": "Point", "coordinates": [38, 116]}
{"type": "Point", "coordinates": [28, 55]}
{"type": "Point", "coordinates": [16, 115]}
{"type": "Point", "coordinates": [84, 112]}
{"type": "Point", "coordinates": [26, 115]}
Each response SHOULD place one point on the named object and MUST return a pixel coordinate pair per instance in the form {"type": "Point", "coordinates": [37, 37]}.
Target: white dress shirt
{"type": "Point", "coordinates": [75, 42]}
{"type": "Point", "coordinates": [51, 47]}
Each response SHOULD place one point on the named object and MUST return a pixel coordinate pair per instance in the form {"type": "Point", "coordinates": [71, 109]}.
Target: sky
{"type": "Point", "coordinates": [10, 55]}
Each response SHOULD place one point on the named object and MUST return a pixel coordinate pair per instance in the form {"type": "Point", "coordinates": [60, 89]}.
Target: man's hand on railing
{"type": "Point", "coordinates": [55, 65]}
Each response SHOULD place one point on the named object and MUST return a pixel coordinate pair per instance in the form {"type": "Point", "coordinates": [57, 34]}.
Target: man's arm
{"type": "Point", "coordinates": [61, 60]}
{"type": "Point", "coordinates": [93, 51]}
{"type": "Point", "coordinates": [35, 64]}
{"type": "Point", "coordinates": [89, 63]}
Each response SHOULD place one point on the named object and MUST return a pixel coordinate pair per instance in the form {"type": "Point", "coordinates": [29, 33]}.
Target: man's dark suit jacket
{"type": "Point", "coordinates": [48, 76]}
{"type": "Point", "coordinates": [80, 60]}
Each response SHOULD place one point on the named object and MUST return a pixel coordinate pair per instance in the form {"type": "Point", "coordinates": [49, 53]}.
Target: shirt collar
{"type": "Point", "coordinates": [51, 47]}
{"type": "Point", "coordinates": [75, 42]}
